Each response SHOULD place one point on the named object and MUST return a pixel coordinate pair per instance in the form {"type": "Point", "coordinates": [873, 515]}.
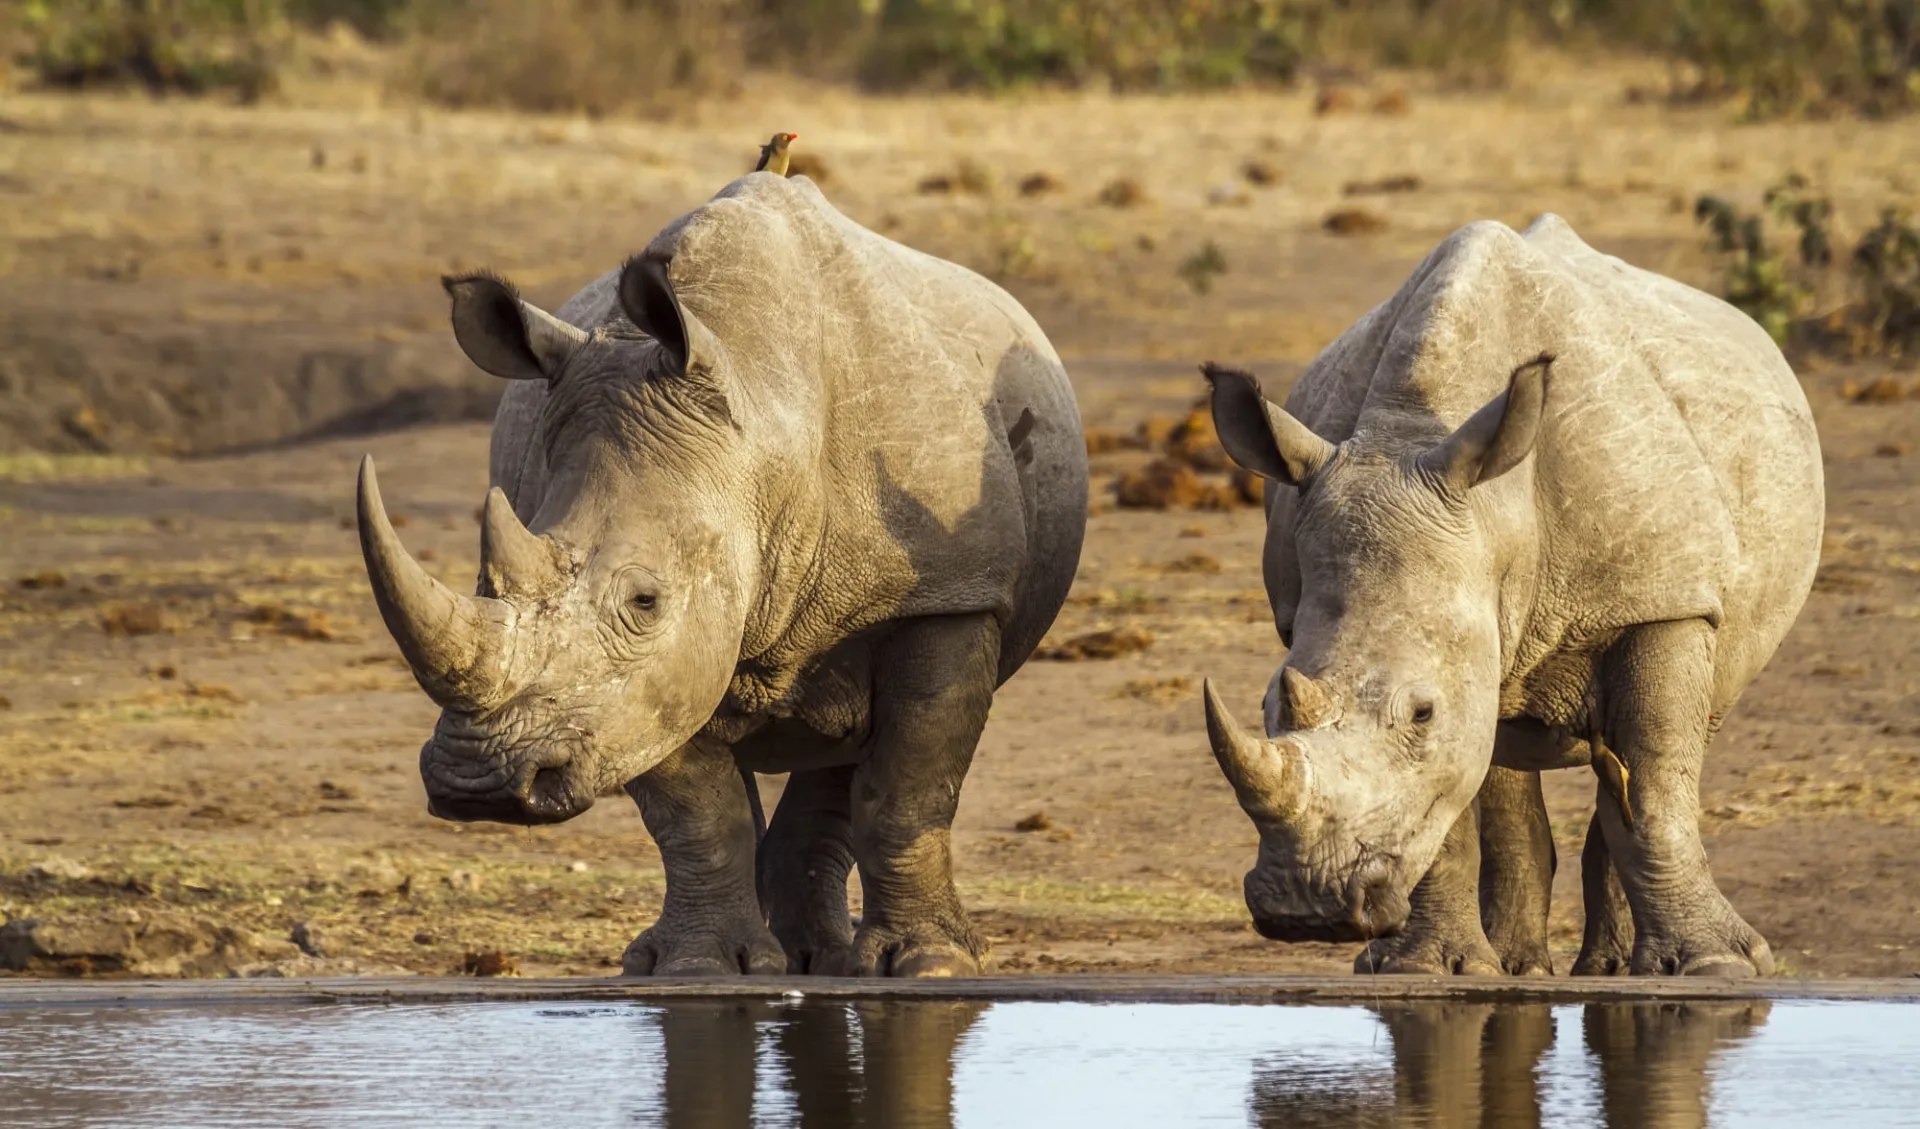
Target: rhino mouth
{"type": "Point", "coordinates": [1297, 905]}
{"type": "Point", "coordinates": [474, 777]}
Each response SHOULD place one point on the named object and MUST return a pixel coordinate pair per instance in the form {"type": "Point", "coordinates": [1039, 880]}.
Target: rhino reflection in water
{"type": "Point", "coordinates": [780, 495]}
{"type": "Point", "coordinates": [1539, 509]}
{"type": "Point", "coordinates": [844, 1066]}
{"type": "Point", "coordinates": [1482, 1065]}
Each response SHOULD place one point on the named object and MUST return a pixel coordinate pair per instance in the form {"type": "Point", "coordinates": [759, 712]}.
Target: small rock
{"type": "Point", "coordinates": [132, 619]}
{"type": "Point", "coordinates": [1193, 531]}
{"type": "Point", "coordinates": [1353, 221]}
{"type": "Point", "coordinates": [1406, 182]}
{"type": "Point", "coordinates": [579, 866]}
{"type": "Point", "coordinates": [1228, 196]}
{"type": "Point", "coordinates": [1097, 645]}
{"type": "Point", "coordinates": [1195, 442]}
{"type": "Point", "coordinates": [464, 881]}
{"type": "Point", "coordinates": [423, 938]}
{"type": "Point", "coordinates": [1260, 174]}
{"type": "Point", "coordinates": [309, 939]}
{"type": "Point", "coordinates": [1195, 563]}
{"type": "Point", "coordinates": [1159, 485]}
{"type": "Point", "coordinates": [1039, 184]}
{"type": "Point", "coordinates": [46, 578]}
{"type": "Point", "coordinates": [489, 963]}
{"type": "Point", "coordinates": [83, 423]}
{"type": "Point", "coordinates": [1891, 450]}
{"type": "Point", "coordinates": [1394, 103]}
{"type": "Point", "coordinates": [1880, 390]}
{"type": "Point", "coordinates": [1123, 193]}
{"type": "Point", "coordinates": [1332, 100]}
{"type": "Point", "coordinates": [70, 948]}
{"type": "Point", "coordinates": [57, 868]}
{"type": "Point", "coordinates": [1038, 821]}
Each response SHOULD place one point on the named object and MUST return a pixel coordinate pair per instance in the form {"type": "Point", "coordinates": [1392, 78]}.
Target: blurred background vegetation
{"type": "Point", "coordinates": [1776, 57]}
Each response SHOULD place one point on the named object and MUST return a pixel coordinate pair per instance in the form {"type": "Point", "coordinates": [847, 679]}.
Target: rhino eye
{"type": "Point", "coordinates": [645, 601]}
{"type": "Point", "coordinates": [1422, 713]}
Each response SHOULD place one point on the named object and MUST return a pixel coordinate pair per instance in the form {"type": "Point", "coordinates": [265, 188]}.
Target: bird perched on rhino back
{"type": "Point", "coordinates": [773, 155]}
{"type": "Point", "coordinates": [777, 495]}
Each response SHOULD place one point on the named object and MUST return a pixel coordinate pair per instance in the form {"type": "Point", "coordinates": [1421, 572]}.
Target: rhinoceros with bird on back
{"type": "Point", "coordinates": [778, 495]}
{"type": "Point", "coordinates": [1539, 509]}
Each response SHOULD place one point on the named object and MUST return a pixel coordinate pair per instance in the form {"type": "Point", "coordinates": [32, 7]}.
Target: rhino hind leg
{"type": "Point", "coordinates": [1606, 949]}
{"type": "Point", "coordinates": [695, 806]}
{"type": "Point", "coordinates": [1443, 935]}
{"type": "Point", "coordinates": [1659, 685]}
{"type": "Point", "coordinates": [1517, 862]}
{"type": "Point", "coordinates": [803, 866]}
{"type": "Point", "coordinates": [933, 685]}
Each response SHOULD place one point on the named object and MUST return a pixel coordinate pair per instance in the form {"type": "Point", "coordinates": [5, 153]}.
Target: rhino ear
{"type": "Point", "coordinates": [504, 335]}
{"type": "Point", "coordinates": [647, 298]}
{"type": "Point", "coordinates": [1496, 438]}
{"type": "Point", "coordinates": [1258, 433]}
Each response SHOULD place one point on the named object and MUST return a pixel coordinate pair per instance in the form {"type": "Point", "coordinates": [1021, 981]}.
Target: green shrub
{"type": "Point", "coordinates": [185, 46]}
{"type": "Point", "coordinates": [562, 56]}
{"type": "Point", "coordinates": [1132, 44]}
{"type": "Point", "coordinates": [1886, 270]}
{"type": "Point", "coordinates": [1789, 56]}
{"type": "Point", "coordinates": [1757, 279]}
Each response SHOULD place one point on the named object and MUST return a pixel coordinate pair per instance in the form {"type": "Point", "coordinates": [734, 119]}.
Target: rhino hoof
{"type": "Point", "coordinates": [1730, 966]}
{"type": "Point", "coordinates": [667, 953]}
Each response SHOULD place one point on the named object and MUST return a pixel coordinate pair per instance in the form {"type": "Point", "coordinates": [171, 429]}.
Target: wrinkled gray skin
{"type": "Point", "coordinates": [780, 495]}
{"type": "Point", "coordinates": [1537, 497]}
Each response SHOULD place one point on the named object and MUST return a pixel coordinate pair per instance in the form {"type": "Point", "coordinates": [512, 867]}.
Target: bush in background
{"type": "Point", "coordinates": [1780, 56]}
{"type": "Point", "coordinates": [183, 46]}
{"type": "Point", "coordinates": [592, 56]}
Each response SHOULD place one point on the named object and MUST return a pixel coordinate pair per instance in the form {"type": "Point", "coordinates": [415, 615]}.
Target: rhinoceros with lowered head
{"type": "Point", "coordinates": [779, 495]}
{"type": "Point", "coordinates": [1539, 509]}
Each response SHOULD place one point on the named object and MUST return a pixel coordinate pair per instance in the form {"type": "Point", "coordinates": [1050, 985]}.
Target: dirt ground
{"type": "Point", "coordinates": [202, 719]}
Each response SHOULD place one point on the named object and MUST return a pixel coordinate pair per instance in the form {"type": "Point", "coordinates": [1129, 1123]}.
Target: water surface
{"type": "Point", "coordinates": [905, 1064]}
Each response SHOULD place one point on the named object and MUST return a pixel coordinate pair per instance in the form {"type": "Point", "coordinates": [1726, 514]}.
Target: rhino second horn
{"type": "Point", "coordinates": [1266, 774]}
{"type": "Point", "coordinates": [1308, 704]}
{"type": "Point", "coordinates": [516, 560]}
{"type": "Point", "coordinates": [451, 641]}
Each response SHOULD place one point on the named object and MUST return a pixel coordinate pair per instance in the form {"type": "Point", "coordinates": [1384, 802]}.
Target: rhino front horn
{"type": "Point", "coordinates": [1265, 773]}
{"type": "Point", "coordinates": [451, 641]}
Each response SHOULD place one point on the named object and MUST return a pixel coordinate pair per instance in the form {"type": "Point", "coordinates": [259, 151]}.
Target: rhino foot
{"type": "Point", "coordinates": [924, 952]}
{"type": "Point", "coordinates": [686, 950]}
{"type": "Point", "coordinates": [1431, 952]}
{"type": "Point", "coordinates": [1602, 962]}
{"type": "Point", "coordinates": [1742, 954]}
{"type": "Point", "coordinates": [1522, 957]}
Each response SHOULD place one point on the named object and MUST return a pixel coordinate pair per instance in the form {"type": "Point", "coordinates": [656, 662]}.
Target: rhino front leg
{"type": "Point", "coordinates": [804, 863]}
{"type": "Point", "coordinates": [1443, 935]}
{"type": "Point", "coordinates": [1517, 862]}
{"type": "Point", "coordinates": [1606, 949]}
{"type": "Point", "coordinates": [933, 685]}
{"type": "Point", "coordinates": [695, 807]}
{"type": "Point", "coordinates": [1659, 691]}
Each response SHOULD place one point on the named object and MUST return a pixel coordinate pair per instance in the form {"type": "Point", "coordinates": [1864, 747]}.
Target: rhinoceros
{"type": "Point", "coordinates": [778, 495]}
{"type": "Point", "coordinates": [1539, 509]}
